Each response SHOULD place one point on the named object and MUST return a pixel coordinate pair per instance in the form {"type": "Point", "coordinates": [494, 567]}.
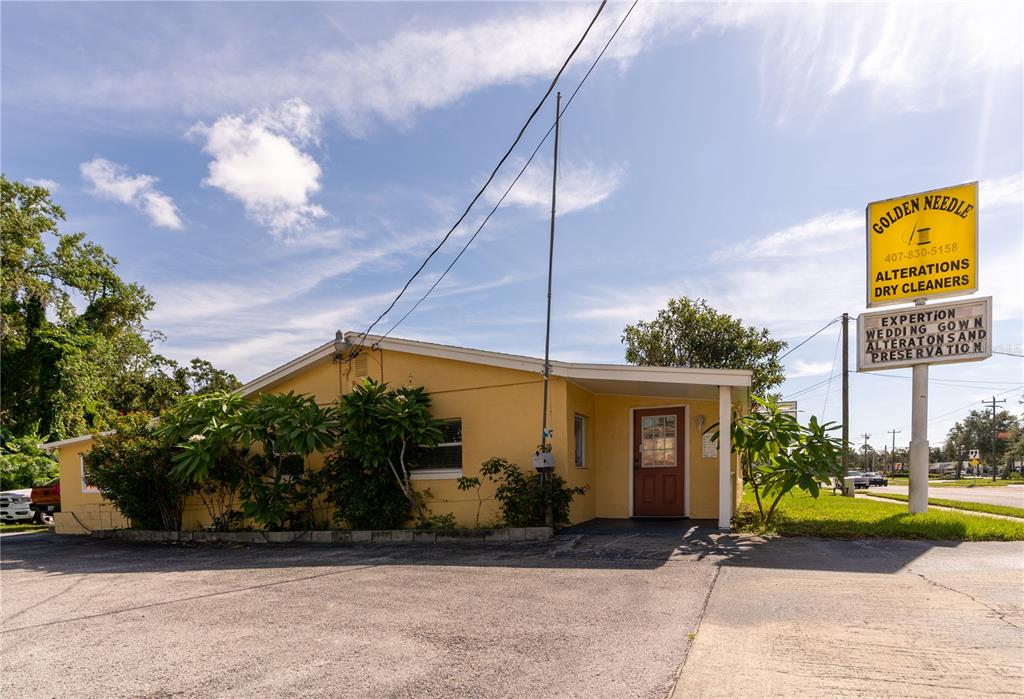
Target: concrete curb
{"type": "Point", "coordinates": [324, 537]}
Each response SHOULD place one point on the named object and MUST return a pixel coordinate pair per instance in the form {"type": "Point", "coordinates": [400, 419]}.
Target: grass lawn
{"type": "Point", "coordinates": [1007, 510]}
{"type": "Point", "coordinates": [4, 528]}
{"type": "Point", "coordinates": [838, 517]}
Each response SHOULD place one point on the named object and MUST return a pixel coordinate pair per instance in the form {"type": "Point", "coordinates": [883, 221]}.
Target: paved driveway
{"type": "Point", "coordinates": [1007, 495]}
{"type": "Point", "coordinates": [597, 612]}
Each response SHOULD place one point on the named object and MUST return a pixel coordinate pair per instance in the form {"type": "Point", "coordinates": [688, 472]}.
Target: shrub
{"type": "Point", "coordinates": [132, 467]}
{"type": "Point", "coordinates": [383, 432]}
{"type": "Point", "coordinates": [364, 496]}
{"type": "Point", "coordinates": [525, 498]}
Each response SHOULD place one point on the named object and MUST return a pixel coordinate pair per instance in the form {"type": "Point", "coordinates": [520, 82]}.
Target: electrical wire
{"type": "Point", "coordinates": [515, 180]}
{"type": "Point", "coordinates": [951, 383]}
{"type": "Point", "coordinates": [807, 389]}
{"type": "Point", "coordinates": [828, 388]}
{"type": "Point", "coordinates": [490, 178]}
{"type": "Point", "coordinates": [794, 349]}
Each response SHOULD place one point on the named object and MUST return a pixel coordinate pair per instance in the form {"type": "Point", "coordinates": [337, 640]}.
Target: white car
{"type": "Point", "coordinates": [15, 506]}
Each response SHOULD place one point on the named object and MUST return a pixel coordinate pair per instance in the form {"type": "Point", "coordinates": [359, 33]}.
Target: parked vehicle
{"type": "Point", "coordinates": [16, 506]}
{"type": "Point", "coordinates": [876, 478]}
{"type": "Point", "coordinates": [46, 500]}
{"type": "Point", "coordinates": [859, 479]}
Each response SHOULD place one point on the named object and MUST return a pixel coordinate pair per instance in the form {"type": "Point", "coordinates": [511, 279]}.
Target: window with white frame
{"type": "Point", "coordinates": [87, 486]}
{"type": "Point", "coordinates": [580, 433]}
{"type": "Point", "coordinates": [447, 454]}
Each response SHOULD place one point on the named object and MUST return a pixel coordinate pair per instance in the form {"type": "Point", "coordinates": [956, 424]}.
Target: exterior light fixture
{"type": "Point", "coordinates": [341, 345]}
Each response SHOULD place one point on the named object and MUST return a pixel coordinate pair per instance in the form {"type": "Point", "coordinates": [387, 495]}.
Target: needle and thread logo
{"type": "Point", "coordinates": [923, 235]}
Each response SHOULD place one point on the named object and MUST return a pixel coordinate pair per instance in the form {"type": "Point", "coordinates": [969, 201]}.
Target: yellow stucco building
{"type": "Point", "coordinates": [633, 435]}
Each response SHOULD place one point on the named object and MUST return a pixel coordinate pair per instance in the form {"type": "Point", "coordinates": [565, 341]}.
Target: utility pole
{"type": "Point", "coordinates": [892, 464]}
{"type": "Point", "coordinates": [544, 447]}
{"type": "Point", "coordinates": [864, 450]}
{"type": "Point", "coordinates": [551, 258]}
{"type": "Point", "coordinates": [846, 393]}
{"type": "Point", "coordinates": [992, 403]}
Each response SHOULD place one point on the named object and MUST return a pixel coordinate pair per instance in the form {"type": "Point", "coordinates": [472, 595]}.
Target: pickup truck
{"type": "Point", "coordinates": [15, 506]}
{"type": "Point", "coordinates": [46, 500]}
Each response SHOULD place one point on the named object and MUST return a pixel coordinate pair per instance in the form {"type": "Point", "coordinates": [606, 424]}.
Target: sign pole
{"type": "Point", "coordinates": [919, 438]}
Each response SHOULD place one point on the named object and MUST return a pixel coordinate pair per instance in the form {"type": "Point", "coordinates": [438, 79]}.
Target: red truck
{"type": "Point", "coordinates": [46, 500]}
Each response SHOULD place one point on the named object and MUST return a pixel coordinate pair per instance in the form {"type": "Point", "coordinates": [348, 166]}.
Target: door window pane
{"type": "Point", "coordinates": [657, 441]}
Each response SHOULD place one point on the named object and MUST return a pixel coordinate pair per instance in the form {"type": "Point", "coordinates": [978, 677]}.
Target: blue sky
{"type": "Point", "coordinates": [273, 172]}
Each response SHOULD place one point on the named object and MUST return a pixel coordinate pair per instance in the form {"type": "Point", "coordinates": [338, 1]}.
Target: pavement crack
{"type": "Point", "coordinates": [1000, 614]}
{"type": "Point", "coordinates": [696, 630]}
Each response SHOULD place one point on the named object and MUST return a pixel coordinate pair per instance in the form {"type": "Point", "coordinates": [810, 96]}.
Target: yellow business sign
{"type": "Point", "coordinates": [923, 245]}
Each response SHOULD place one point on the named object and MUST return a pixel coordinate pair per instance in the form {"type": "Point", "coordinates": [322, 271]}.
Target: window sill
{"type": "Point", "coordinates": [435, 474]}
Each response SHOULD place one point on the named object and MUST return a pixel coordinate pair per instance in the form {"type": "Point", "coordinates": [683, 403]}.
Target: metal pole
{"type": "Point", "coordinates": [892, 462]}
{"type": "Point", "coordinates": [919, 438]}
{"type": "Point", "coordinates": [551, 257]}
{"type": "Point", "coordinates": [846, 394]}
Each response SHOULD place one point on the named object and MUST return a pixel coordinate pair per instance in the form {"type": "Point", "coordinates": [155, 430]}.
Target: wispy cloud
{"type": "Point", "coordinates": [905, 58]}
{"type": "Point", "coordinates": [51, 185]}
{"type": "Point", "coordinates": [258, 159]}
{"type": "Point", "coordinates": [113, 181]}
{"type": "Point", "coordinates": [835, 230]}
{"type": "Point", "coordinates": [581, 185]}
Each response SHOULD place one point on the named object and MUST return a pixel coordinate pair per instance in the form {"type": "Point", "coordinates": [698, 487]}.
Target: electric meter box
{"type": "Point", "coordinates": [543, 460]}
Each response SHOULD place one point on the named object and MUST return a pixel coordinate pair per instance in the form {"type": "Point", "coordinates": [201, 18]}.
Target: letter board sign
{"type": "Point", "coordinates": [940, 333]}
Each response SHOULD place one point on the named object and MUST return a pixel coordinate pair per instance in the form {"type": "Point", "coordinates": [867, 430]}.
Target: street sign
{"type": "Point", "coordinates": [973, 454]}
{"type": "Point", "coordinates": [942, 333]}
{"type": "Point", "coordinates": [923, 246]}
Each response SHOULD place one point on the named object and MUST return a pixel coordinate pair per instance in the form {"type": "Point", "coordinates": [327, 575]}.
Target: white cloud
{"type": "Point", "coordinates": [1007, 190]}
{"type": "Point", "coordinates": [905, 57]}
{"type": "Point", "coordinates": [580, 186]}
{"type": "Point", "coordinates": [803, 368]}
{"type": "Point", "coordinates": [258, 159]}
{"type": "Point", "coordinates": [835, 230]}
{"type": "Point", "coordinates": [112, 181]}
{"type": "Point", "coordinates": [43, 182]}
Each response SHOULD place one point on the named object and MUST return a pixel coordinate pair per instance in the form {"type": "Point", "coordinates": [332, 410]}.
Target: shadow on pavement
{"type": "Point", "coordinates": [612, 544]}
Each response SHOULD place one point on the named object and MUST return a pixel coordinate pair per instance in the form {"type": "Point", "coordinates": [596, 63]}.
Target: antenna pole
{"type": "Point", "coordinates": [551, 257]}
{"type": "Point", "coordinates": [993, 402]}
{"type": "Point", "coordinates": [846, 394]}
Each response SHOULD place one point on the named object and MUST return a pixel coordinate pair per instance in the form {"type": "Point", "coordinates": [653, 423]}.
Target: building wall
{"type": "Point", "coordinates": [81, 509]}
{"type": "Point", "coordinates": [499, 409]}
{"type": "Point", "coordinates": [614, 465]}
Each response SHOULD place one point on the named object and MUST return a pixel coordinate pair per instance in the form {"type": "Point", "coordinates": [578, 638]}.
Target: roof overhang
{"type": "Point", "coordinates": [48, 446]}
{"type": "Point", "coordinates": [615, 379]}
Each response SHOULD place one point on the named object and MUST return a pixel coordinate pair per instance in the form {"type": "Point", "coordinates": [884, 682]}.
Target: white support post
{"type": "Point", "coordinates": [724, 457]}
{"type": "Point", "coordinates": [919, 453]}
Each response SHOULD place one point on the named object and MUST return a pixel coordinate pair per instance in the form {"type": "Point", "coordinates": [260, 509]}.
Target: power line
{"type": "Point", "coordinates": [515, 180]}
{"type": "Point", "coordinates": [898, 376]}
{"type": "Point", "coordinates": [1007, 354]}
{"type": "Point", "coordinates": [490, 178]}
{"type": "Point", "coordinates": [828, 388]}
{"type": "Point", "coordinates": [834, 320]}
{"type": "Point", "coordinates": [806, 389]}
{"type": "Point", "coordinates": [952, 383]}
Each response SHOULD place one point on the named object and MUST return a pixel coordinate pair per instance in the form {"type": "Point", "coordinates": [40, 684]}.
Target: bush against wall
{"type": "Point", "coordinates": [383, 431]}
{"type": "Point", "coordinates": [260, 448]}
{"type": "Point", "coordinates": [132, 467]}
{"type": "Point", "coordinates": [524, 499]}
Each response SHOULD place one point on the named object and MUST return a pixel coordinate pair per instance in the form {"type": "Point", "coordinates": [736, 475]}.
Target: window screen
{"type": "Point", "coordinates": [448, 452]}
{"type": "Point", "coordinates": [580, 431]}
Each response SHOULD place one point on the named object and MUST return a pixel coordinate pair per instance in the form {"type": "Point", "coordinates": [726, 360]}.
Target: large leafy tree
{"type": "Point", "coordinates": [76, 352]}
{"type": "Point", "coordinates": [690, 333]}
{"type": "Point", "coordinates": [975, 432]}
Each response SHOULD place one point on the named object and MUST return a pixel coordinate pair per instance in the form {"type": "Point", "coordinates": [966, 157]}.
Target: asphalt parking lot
{"type": "Point", "coordinates": [601, 611]}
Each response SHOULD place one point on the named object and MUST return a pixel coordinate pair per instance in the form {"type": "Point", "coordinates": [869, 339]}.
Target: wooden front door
{"type": "Point", "coordinates": [658, 462]}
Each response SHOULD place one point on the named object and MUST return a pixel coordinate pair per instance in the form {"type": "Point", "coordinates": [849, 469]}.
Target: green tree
{"type": "Point", "coordinates": [975, 432]}
{"type": "Point", "coordinates": [23, 464]}
{"type": "Point", "coordinates": [75, 349]}
{"type": "Point", "coordinates": [690, 333]}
